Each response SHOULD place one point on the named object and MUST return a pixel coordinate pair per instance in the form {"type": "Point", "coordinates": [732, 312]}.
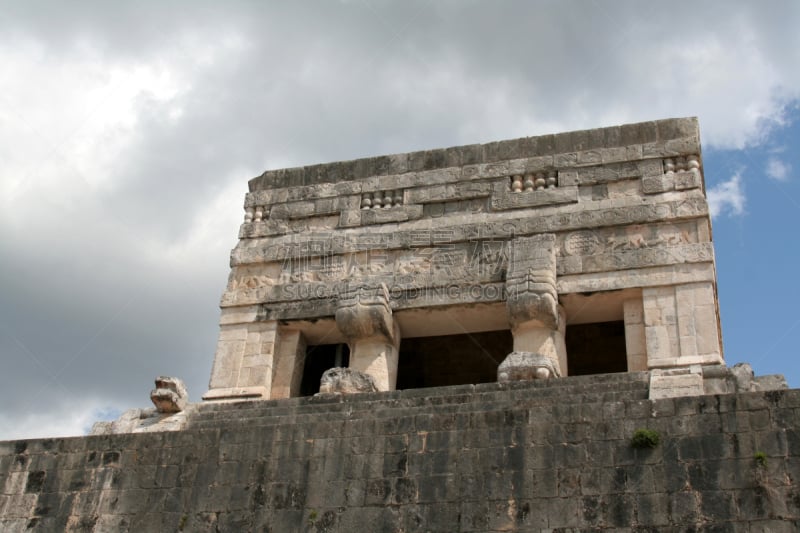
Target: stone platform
{"type": "Point", "coordinates": [550, 455]}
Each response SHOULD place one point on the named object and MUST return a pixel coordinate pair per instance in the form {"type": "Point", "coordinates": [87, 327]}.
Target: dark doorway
{"type": "Point", "coordinates": [319, 359]}
{"type": "Point", "coordinates": [452, 359]}
{"type": "Point", "coordinates": [596, 348]}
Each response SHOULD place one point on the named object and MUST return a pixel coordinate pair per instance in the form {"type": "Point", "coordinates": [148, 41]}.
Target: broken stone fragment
{"type": "Point", "coordinates": [346, 381]}
{"type": "Point", "coordinates": [526, 366]}
{"type": "Point", "coordinates": [770, 382]}
{"type": "Point", "coordinates": [170, 395]}
{"type": "Point", "coordinates": [743, 377]}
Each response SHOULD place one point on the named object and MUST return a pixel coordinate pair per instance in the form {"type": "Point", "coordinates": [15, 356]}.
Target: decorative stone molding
{"type": "Point", "coordinates": [253, 214]}
{"type": "Point", "coordinates": [679, 174]}
{"type": "Point", "coordinates": [398, 213]}
{"type": "Point", "coordinates": [533, 181]}
{"type": "Point", "coordinates": [504, 199]}
{"type": "Point", "coordinates": [382, 200]}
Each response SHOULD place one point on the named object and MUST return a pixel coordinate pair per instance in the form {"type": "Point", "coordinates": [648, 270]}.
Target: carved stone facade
{"type": "Point", "coordinates": [531, 235]}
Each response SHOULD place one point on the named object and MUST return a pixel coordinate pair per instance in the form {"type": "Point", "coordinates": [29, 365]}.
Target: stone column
{"type": "Point", "coordinates": [681, 325]}
{"type": "Point", "coordinates": [364, 317]}
{"type": "Point", "coordinates": [635, 345]}
{"type": "Point", "coordinates": [537, 320]}
{"type": "Point", "coordinates": [243, 360]}
{"type": "Point", "coordinates": [289, 362]}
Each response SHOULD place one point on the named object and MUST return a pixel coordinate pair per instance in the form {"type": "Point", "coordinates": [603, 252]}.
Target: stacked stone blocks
{"type": "Point", "coordinates": [525, 456]}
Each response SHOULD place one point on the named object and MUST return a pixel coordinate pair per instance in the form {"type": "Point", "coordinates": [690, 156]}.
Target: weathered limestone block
{"type": "Point", "coordinates": [289, 362]}
{"type": "Point", "coordinates": [635, 345]}
{"type": "Point", "coordinates": [743, 376]}
{"type": "Point", "coordinates": [392, 214]}
{"type": "Point", "coordinates": [770, 382]}
{"type": "Point", "coordinates": [170, 395]}
{"type": "Point", "coordinates": [503, 201]}
{"type": "Point", "coordinates": [525, 366]}
{"type": "Point", "coordinates": [696, 380]}
{"type": "Point", "coordinates": [537, 321]}
{"type": "Point", "coordinates": [718, 379]}
{"type": "Point", "coordinates": [746, 380]}
{"type": "Point", "coordinates": [365, 318]}
{"type": "Point", "coordinates": [243, 362]}
{"type": "Point", "coordinates": [676, 382]}
{"type": "Point", "coordinates": [681, 325]}
{"type": "Point", "coordinates": [346, 381]}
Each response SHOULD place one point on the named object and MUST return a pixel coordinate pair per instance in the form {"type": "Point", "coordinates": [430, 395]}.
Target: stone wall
{"type": "Point", "coordinates": [551, 455]}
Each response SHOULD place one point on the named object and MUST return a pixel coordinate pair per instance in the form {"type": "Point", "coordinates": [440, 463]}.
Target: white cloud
{"type": "Point", "coordinates": [727, 197]}
{"type": "Point", "coordinates": [777, 169]}
{"type": "Point", "coordinates": [68, 419]}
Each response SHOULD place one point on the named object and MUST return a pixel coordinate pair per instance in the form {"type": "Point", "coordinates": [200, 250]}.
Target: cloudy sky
{"type": "Point", "coordinates": [128, 132]}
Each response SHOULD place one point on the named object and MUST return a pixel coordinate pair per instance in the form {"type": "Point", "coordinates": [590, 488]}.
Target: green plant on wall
{"type": "Point", "coordinates": [645, 438]}
{"type": "Point", "coordinates": [761, 459]}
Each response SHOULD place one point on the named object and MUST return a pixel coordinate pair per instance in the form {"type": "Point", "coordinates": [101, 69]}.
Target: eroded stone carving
{"type": "Point", "coordinates": [364, 312]}
{"type": "Point", "coordinates": [531, 282]}
{"type": "Point", "coordinates": [365, 318]}
{"type": "Point", "coordinates": [346, 381]}
{"type": "Point", "coordinates": [170, 395]}
{"type": "Point", "coordinates": [536, 318]}
{"type": "Point", "coordinates": [526, 366]}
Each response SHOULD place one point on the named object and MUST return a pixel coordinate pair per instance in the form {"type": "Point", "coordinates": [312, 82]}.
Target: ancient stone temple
{"type": "Point", "coordinates": [580, 253]}
{"type": "Point", "coordinates": [518, 336]}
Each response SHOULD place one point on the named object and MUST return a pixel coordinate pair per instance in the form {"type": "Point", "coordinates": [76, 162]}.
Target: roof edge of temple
{"type": "Point", "coordinates": [639, 133]}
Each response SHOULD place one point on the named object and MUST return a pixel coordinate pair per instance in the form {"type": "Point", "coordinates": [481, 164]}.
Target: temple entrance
{"type": "Point", "coordinates": [597, 348]}
{"type": "Point", "coordinates": [320, 358]}
{"type": "Point", "coordinates": [452, 359]}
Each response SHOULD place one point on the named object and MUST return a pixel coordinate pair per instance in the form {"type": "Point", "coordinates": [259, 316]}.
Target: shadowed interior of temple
{"type": "Point", "coordinates": [597, 348]}
{"type": "Point", "coordinates": [452, 359]}
{"type": "Point", "coordinates": [320, 358]}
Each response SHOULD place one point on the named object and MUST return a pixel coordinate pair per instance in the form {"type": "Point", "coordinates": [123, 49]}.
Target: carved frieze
{"type": "Point", "coordinates": [436, 259]}
{"type": "Point", "coordinates": [635, 246]}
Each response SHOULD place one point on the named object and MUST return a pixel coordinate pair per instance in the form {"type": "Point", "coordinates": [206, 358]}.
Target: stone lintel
{"type": "Point", "coordinates": [640, 277]}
